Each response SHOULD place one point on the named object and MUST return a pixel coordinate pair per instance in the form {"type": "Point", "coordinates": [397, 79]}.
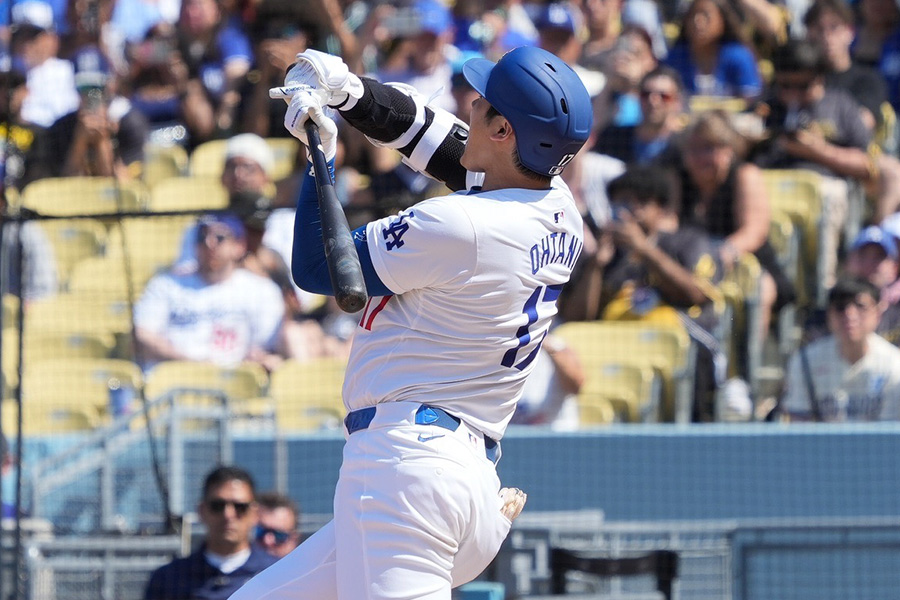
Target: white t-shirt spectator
{"type": "Point", "coordinates": [218, 322]}
{"type": "Point", "coordinates": [868, 390]}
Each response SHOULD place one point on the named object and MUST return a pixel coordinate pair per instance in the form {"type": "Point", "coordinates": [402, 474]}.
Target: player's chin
{"type": "Point", "coordinates": [467, 161]}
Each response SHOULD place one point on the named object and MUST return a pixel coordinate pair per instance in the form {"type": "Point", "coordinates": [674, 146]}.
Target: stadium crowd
{"type": "Point", "coordinates": [708, 116]}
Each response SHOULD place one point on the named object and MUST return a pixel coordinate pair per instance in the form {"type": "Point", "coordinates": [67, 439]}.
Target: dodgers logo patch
{"type": "Point", "coordinates": [395, 231]}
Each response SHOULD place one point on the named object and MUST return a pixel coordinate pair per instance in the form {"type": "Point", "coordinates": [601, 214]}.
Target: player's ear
{"type": "Point", "coordinates": [501, 129]}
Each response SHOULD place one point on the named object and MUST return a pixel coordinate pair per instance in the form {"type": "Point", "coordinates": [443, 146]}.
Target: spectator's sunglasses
{"type": "Point", "coordinates": [204, 233]}
{"type": "Point", "coordinates": [664, 96]}
{"type": "Point", "coordinates": [217, 505]}
{"type": "Point", "coordinates": [280, 536]}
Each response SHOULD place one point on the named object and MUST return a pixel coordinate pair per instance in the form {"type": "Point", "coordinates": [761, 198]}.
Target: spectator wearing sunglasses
{"type": "Point", "coordinates": [227, 559]}
{"type": "Point", "coordinates": [213, 311]}
{"type": "Point", "coordinates": [276, 532]}
{"type": "Point", "coordinates": [662, 116]}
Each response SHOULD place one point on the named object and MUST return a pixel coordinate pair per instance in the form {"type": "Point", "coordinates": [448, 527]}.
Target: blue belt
{"type": "Point", "coordinates": [426, 415]}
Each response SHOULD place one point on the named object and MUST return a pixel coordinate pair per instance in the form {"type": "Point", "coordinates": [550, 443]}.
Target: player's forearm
{"type": "Point", "coordinates": [308, 265]}
{"type": "Point", "coordinates": [431, 138]}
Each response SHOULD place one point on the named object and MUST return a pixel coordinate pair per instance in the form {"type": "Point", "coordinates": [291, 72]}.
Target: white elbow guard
{"type": "Point", "coordinates": [432, 124]}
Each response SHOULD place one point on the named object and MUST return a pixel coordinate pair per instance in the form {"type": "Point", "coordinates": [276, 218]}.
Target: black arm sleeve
{"type": "Point", "coordinates": [385, 114]}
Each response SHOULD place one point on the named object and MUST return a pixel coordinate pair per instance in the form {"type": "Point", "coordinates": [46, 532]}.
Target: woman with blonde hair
{"type": "Point", "coordinates": [727, 197]}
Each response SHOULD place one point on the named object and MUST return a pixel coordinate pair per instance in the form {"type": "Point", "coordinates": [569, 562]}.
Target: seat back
{"type": "Point", "coordinates": [163, 162]}
{"type": "Point", "coordinates": [76, 312]}
{"type": "Point", "coordinates": [307, 395]}
{"type": "Point", "coordinates": [631, 389]}
{"type": "Point", "coordinates": [208, 159]}
{"type": "Point", "coordinates": [72, 241]}
{"type": "Point", "coordinates": [666, 349]}
{"type": "Point", "coordinates": [242, 382]}
{"type": "Point", "coordinates": [84, 382]}
{"type": "Point", "coordinates": [45, 419]}
{"type": "Point", "coordinates": [195, 193]}
{"type": "Point", "coordinates": [109, 277]}
{"type": "Point", "coordinates": [796, 195]}
{"type": "Point", "coordinates": [69, 196]}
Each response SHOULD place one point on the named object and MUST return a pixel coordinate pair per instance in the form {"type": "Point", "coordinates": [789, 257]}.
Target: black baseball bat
{"type": "Point", "coordinates": [340, 252]}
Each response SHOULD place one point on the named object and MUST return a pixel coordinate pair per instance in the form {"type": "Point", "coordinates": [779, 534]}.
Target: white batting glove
{"type": "Point", "coordinates": [325, 72]}
{"type": "Point", "coordinates": [306, 104]}
{"type": "Point", "coordinates": [513, 502]}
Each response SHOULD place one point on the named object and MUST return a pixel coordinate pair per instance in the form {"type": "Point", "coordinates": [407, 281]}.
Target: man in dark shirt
{"type": "Point", "coordinates": [812, 126]}
{"type": "Point", "coordinates": [829, 25]}
{"type": "Point", "coordinates": [646, 267]}
{"type": "Point", "coordinates": [227, 559]}
{"type": "Point", "coordinates": [105, 136]}
{"type": "Point", "coordinates": [662, 106]}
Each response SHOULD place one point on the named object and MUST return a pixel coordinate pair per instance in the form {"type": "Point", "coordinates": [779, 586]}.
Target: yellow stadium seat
{"type": "Point", "coordinates": [72, 241]}
{"type": "Point", "coordinates": [45, 419]}
{"type": "Point", "coordinates": [69, 196]}
{"type": "Point", "coordinates": [208, 159]}
{"type": "Point", "coordinates": [245, 381]}
{"type": "Point", "coordinates": [741, 290]}
{"type": "Point", "coordinates": [73, 312]}
{"type": "Point", "coordinates": [785, 241]}
{"type": "Point", "coordinates": [796, 194]}
{"type": "Point", "coordinates": [886, 134]}
{"type": "Point", "coordinates": [84, 382]}
{"type": "Point", "coordinates": [666, 349]}
{"type": "Point", "coordinates": [285, 150]}
{"type": "Point", "coordinates": [149, 240]}
{"type": "Point", "coordinates": [9, 370]}
{"type": "Point", "coordinates": [10, 309]}
{"type": "Point", "coordinates": [195, 193]}
{"type": "Point", "coordinates": [595, 410]}
{"type": "Point", "coordinates": [107, 276]}
{"type": "Point", "coordinates": [631, 389]}
{"type": "Point", "coordinates": [163, 162]}
{"type": "Point", "coordinates": [44, 345]}
{"type": "Point", "coordinates": [307, 395]}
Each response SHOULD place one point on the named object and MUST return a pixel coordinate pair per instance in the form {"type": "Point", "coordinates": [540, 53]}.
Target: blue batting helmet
{"type": "Point", "coordinates": [543, 99]}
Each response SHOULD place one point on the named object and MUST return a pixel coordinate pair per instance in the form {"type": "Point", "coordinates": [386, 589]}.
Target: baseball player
{"type": "Point", "coordinates": [463, 289]}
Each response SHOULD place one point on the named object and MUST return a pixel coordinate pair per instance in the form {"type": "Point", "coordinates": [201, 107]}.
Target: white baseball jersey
{"type": "Point", "coordinates": [868, 390]}
{"type": "Point", "coordinates": [218, 322]}
{"type": "Point", "coordinates": [476, 277]}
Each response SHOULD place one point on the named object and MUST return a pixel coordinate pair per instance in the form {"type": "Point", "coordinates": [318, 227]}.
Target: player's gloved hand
{"type": "Point", "coordinates": [513, 502]}
{"type": "Point", "coordinates": [306, 104]}
{"type": "Point", "coordinates": [326, 72]}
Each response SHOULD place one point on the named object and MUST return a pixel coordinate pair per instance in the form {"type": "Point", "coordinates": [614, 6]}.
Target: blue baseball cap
{"type": "Point", "coordinates": [557, 15]}
{"type": "Point", "coordinates": [226, 220]}
{"type": "Point", "coordinates": [878, 236]}
{"type": "Point", "coordinates": [433, 16]}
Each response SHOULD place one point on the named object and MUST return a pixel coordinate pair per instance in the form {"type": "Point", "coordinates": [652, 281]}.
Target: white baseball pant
{"type": "Point", "coordinates": [416, 513]}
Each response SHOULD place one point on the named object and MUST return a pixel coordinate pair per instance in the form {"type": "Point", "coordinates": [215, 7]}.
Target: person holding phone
{"type": "Point", "coordinates": [105, 136]}
{"type": "Point", "coordinates": [646, 267]}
